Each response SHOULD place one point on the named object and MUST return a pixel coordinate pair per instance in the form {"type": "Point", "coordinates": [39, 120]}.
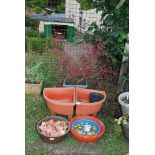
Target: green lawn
{"type": "Point", "coordinates": [113, 142]}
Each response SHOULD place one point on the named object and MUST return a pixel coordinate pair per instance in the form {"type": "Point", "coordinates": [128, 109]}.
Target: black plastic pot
{"type": "Point", "coordinates": [52, 140]}
{"type": "Point", "coordinates": [95, 97]}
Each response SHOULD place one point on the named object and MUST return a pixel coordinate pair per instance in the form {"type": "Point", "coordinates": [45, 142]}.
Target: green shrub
{"type": "Point", "coordinates": [58, 44]}
{"type": "Point", "coordinates": [33, 73]}
{"type": "Point", "coordinates": [28, 46]}
{"type": "Point", "coordinates": [37, 9]}
{"type": "Point", "coordinates": [114, 29]}
{"type": "Point", "coordinates": [48, 44]}
{"type": "Point", "coordinates": [41, 35]}
{"type": "Point", "coordinates": [40, 3]}
{"type": "Point", "coordinates": [60, 8]}
{"type": "Point", "coordinates": [36, 44]}
{"type": "Point", "coordinates": [29, 32]}
{"type": "Point", "coordinates": [33, 23]}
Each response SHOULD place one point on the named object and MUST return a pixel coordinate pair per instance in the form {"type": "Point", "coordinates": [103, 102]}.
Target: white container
{"type": "Point", "coordinates": [124, 106]}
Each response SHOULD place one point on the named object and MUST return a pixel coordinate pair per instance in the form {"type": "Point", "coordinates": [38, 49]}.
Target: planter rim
{"type": "Point", "coordinates": [80, 86]}
{"type": "Point", "coordinates": [121, 96]}
{"type": "Point", "coordinates": [41, 81]}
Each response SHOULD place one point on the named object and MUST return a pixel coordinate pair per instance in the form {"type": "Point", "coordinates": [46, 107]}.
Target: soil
{"type": "Point", "coordinates": [80, 149]}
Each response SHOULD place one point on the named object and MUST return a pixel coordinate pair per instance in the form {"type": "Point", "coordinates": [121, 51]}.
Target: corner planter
{"type": "Point", "coordinates": [70, 83]}
{"type": "Point", "coordinates": [89, 101]}
{"type": "Point", "coordinates": [60, 101]}
{"type": "Point", "coordinates": [125, 129]}
{"type": "Point", "coordinates": [33, 88]}
{"type": "Point", "coordinates": [121, 99]}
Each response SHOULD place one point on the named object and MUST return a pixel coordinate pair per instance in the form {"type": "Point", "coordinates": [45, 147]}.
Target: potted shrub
{"type": "Point", "coordinates": [34, 79]}
{"type": "Point", "coordinates": [123, 100]}
{"type": "Point", "coordinates": [77, 72]}
{"type": "Point", "coordinates": [124, 122]}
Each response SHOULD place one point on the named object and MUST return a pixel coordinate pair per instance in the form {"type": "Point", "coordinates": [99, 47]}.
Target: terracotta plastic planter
{"type": "Point", "coordinates": [52, 140]}
{"type": "Point", "coordinates": [83, 105]}
{"type": "Point", "coordinates": [60, 100]}
{"type": "Point", "coordinates": [63, 100]}
{"type": "Point", "coordinates": [85, 138]}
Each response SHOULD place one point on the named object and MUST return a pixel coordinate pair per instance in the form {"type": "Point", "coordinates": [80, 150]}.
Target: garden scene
{"type": "Point", "coordinates": [77, 77]}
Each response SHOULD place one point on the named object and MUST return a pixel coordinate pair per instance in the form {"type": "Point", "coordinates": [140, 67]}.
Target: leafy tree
{"type": "Point", "coordinates": [115, 26]}
{"type": "Point", "coordinates": [60, 8]}
{"type": "Point", "coordinates": [37, 3]}
{"type": "Point", "coordinates": [86, 4]}
{"type": "Point", "coordinates": [31, 23]}
{"type": "Point", "coordinates": [58, 5]}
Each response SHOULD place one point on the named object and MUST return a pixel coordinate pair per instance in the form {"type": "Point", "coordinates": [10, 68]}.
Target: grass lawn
{"type": "Point", "coordinates": [112, 143]}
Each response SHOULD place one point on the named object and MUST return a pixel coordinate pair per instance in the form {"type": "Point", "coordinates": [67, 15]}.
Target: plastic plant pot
{"type": "Point", "coordinates": [60, 100]}
{"type": "Point", "coordinates": [52, 140]}
{"type": "Point", "coordinates": [71, 83]}
{"type": "Point", "coordinates": [121, 99]}
{"type": "Point", "coordinates": [87, 138]}
{"type": "Point", "coordinates": [89, 101]}
{"type": "Point", "coordinates": [63, 100]}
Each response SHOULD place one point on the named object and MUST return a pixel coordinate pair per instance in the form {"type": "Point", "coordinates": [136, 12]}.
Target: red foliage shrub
{"type": "Point", "coordinates": [89, 66]}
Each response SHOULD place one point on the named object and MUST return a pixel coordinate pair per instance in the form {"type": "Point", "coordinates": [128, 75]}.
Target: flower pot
{"type": "Point", "coordinates": [89, 101]}
{"type": "Point", "coordinates": [125, 129]}
{"type": "Point", "coordinates": [56, 139]}
{"type": "Point", "coordinates": [64, 100]}
{"type": "Point", "coordinates": [33, 88]}
{"type": "Point", "coordinates": [60, 100]}
{"type": "Point", "coordinates": [121, 99]}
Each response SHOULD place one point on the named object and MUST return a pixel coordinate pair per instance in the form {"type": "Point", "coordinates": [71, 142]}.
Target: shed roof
{"type": "Point", "coordinates": [54, 17]}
